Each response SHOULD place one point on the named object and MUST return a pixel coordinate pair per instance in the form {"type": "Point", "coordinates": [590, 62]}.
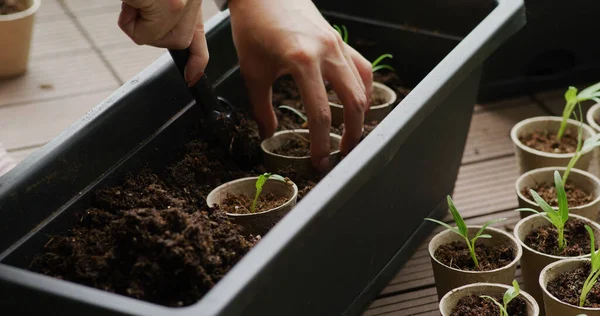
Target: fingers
{"type": "Point", "coordinates": [198, 53]}
{"type": "Point", "coordinates": [260, 93]}
{"type": "Point", "coordinates": [364, 69]}
{"type": "Point", "coordinates": [310, 84]}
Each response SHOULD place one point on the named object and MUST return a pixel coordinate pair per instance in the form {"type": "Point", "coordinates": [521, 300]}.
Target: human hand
{"type": "Point", "coordinates": [173, 24]}
{"type": "Point", "coordinates": [278, 37]}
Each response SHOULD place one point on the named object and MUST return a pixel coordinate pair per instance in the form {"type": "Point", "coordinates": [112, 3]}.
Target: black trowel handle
{"type": "Point", "coordinates": [202, 91]}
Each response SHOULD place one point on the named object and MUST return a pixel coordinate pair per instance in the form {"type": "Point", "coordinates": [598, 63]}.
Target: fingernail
{"type": "Point", "coordinates": [191, 77]}
{"type": "Point", "coordinates": [323, 164]}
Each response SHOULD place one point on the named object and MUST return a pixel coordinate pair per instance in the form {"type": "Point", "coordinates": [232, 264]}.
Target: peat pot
{"type": "Point", "coordinates": [375, 113]}
{"type": "Point", "coordinates": [16, 32]}
{"type": "Point", "coordinates": [147, 122]}
{"type": "Point", "coordinates": [449, 300]}
{"type": "Point", "coordinates": [448, 278]}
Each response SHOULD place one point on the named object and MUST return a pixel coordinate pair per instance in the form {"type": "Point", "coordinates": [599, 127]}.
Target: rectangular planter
{"type": "Point", "coordinates": [342, 243]}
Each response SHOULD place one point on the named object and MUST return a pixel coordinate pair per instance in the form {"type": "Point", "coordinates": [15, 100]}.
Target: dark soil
{"type": "Point", "coordinates": [476, 306]}
{"type": "Point", "coordinates": [567, 287]}
{"type": "Point", "coordinates": [294, 147]}
{"type": "Point", "coordinates": [242, 204]}
{"type": "Point", "coordinates": [547, 142]}
{"type": "Point", "coordinates": [12, 6]}
{"type": "Point", "coordinates": [456, 255]}
{"type": "Point", "coordinates": [152, 236]}
{"type": "Point", "coordinates": [545, 239]}
{"type": "Point", "coordinates": [575, 196]}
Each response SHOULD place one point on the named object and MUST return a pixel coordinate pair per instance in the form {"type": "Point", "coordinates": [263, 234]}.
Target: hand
{"type": "Point", "coordinates": [174, 24]}
{"type": "Point", "coordinates": [277, 37]}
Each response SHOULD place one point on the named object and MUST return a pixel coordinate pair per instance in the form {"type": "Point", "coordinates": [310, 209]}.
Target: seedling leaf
{"type": "Point", "coordinates": [376, 66]}
{"type": "Point", "coordinates": [343, 32]}
{"type": "Point", "coordinates": [295, 111]}
{"type": "Point", "coordinates": [460, 223]}
{"type": "Point", "coordinates": [454, 229]}
{"type": "Point", "coordinates": [503, 311]}
{"type": "Point", "coordinates": [260, 182]}
{"type": "Point", "coordinates": [594, 271]}
{"type": "Point", "coordinates": [511, 294]}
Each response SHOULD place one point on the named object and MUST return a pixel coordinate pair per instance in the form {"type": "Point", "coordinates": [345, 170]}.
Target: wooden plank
{"type": "Point", "coordinates": [129, 60]}
{"type": "Point", "coordinates": [103, 30]}
{"type": "Point", "coordinates": [34, 124]}
{"type": "Point", "coordinates": [56, 37]}
{"type": "Point", "coordinates": [489, 134]}
{"type": "Point", "coordinates": [50, 10]}
{"type": "Point", "coordinates": [507, 103]}
{"type": "Point", "coordinates": [60, 76]}
{"type": "Point", "coordinates": [76, 6]}
{"type": "Point", "coordinates": [486, 187]}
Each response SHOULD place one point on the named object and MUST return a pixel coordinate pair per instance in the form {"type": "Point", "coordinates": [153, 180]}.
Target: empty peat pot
{"type": "Point", "coordinates": [448, 278]}
{"type": "Point", "coordinates": [16, 32]}
{"type": "Point", "coordinates": [593, 117]}
{"type": "Point", "coordinates": [533, 261]}
{"type": "Point", "coordinates": [376, 112]}
{"type": "Point", "coordinates": [582, 180]}
{"type": "Point", "coordinates": [554, 306]}
{"type": "Point", "coordinates": [451, 298]}
{"type": "Point", "coordinates": [529, 158]}
{"type": "Point", "coordinates": [275, 160]}
{"type": "Point", "coordinates": [257, 223]}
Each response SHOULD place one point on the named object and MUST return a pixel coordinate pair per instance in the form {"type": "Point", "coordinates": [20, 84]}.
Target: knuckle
{"type": "Point", "coordinates": [329, 39]}
{"type": "Point", "coordinates": [301, 56]}
{"type": "Point", "coordinates": [321, 119]}
{"type": "Point", "coordinates": [176, 6]}
{"type": "Point", "coordinates": [358, 105]}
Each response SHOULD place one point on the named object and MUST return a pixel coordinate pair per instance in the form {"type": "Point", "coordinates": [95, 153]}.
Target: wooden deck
{"type": "Point", "coordinates": [79, 56]}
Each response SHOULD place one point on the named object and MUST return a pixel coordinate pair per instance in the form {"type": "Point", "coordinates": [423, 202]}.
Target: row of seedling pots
{"type": "Point", "coordinates": [476, 261]}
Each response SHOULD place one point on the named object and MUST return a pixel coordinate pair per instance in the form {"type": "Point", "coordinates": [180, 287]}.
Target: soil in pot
{"type": "Point", "coordinates": [474, 305]}
{"type": "Point", "coordinates": [575, 196]}
{"type": "Point", "coordinates": [548, 142]}
{"type": "Point", "coordinates": [456, 255]}
{"type": "Point", "coordinates": [12, 6]}
{"type": "Point", "coordinates": [298, 146]}
{"type": "Point", "coordinates": [132, 237]}
{"type": "Point", "coordinates": [544, 239]}
{"type": "Point", "coordinates": [241, 204]}
{"type": "Point", "coordinates": [567, 287]}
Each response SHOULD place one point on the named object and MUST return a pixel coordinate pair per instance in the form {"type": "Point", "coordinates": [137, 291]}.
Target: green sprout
{"type": "Point", "coordinates": [594, 272]}
{"type": "Point", "coordinates": [573, 99]}
{"type": "Point", "coordinates": [509, 295]}
{"type": "Point", "coordinates": [295, 111]}
{"type": "Point", "coordinates": [260, 182]}
{"type": "Point", "coordinates": [462, 230]}
{"type": "Point", "coordinates": [559, 217]}
{"type": "Point", "coordinates": [376, 66]}
{"type": "Point", "coordinates": [343, 32]}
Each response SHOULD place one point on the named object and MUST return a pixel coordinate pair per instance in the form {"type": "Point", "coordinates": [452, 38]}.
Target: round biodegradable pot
{"type": "Point", "coordinates": [375, 113]}
{"type": "Point", "coordinates": [593, 115]}
{"type": "Point", "coordinates": [16, 31]}
{"type": "Point", "coordinates": [554, 306]}
{"type": "Point", "coordinates": [448, 278]}
{"type": "Point", "coordinates": [261, 222]}
{"type": "Point", "coordinates": [275, 162]}
{"type": "Point", "coordinates": [582, 180]}
{"type": "Point", "coordinates": [529, 158]}
{"type": "Point", "coordinates": [533, 261]}
{"type": "Point", "coordinates": [451, 298]}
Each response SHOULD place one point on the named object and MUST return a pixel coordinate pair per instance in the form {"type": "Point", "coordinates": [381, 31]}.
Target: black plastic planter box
{"type": "Point", "coordinates": [343, 242]}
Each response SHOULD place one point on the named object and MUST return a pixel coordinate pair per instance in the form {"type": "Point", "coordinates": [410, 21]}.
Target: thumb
{"type": "Point", "coordinates": [199, 55]}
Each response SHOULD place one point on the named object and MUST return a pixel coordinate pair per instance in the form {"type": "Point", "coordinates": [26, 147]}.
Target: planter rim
{"type": "Point", "coordinates": [288, 202]}
{"type": "Point", "coordinates": [380, 86]}
{"type": "Point", "coordinates": [531, 217]}
{"type": "Point", "coordinates": [590, 117]}
{"type": "Point", "coordinates": [557, 263]}
{"type": "Point", "coordinates": [573, 170]}
{"type": "Point", "coordinates": [496, 230]}
{"type": "Point", "coordinates": [515, 137]}
{"type": "Point", "coordinates": [35, 6]}
{"type": "Point", "coordinates": [289, 131]}
{"type": "Point", "coordinates": [535, 305]}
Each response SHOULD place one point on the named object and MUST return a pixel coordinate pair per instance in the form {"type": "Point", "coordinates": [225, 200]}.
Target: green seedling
{"type": "Point", "coordinates": [375, 66]}
{"type": "Point", "coordinates": [462, 230]}
{"type": "Point", "coordinates": [559, 217]}
{"type": "Point", "coordinates": [509, 295]}
{"type": "Point", "coordinates": [573, 99]}
{"type": "Point", "coordinates": [260, 182]}
{"type": "Point", "coordinates": [594, 271]}
{"type": "Point", "coordinates": [295, 111]}
{"type": "Point", "coordinates": [343, 32]}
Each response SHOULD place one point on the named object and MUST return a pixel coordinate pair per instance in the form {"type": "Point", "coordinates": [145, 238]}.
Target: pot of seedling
{"type": "Point", "coordinates": [593, 117]}
{"type": "Point", "coordinates": [291, 148]}
{"type": "Point", "coordinates": [16, 31]}
{"type": "Point", "coordinates": [382, 97]}
{"type": "Point", "coordinates": [569, 287]}
{"type": "Point", "coordinates": [255, 203]}
{"type": "Point", "coordinates": [458, 260]}
{"type": "Point", "coordinates": [551, 236]}
{"type": "Point", "coordinates": [549, 141]}
{"type": "Point", "coordinates": [489, 299]}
